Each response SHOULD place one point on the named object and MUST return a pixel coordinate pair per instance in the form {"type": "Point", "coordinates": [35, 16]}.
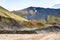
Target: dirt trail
{"type": "Point", "coordinates": [43, 36]}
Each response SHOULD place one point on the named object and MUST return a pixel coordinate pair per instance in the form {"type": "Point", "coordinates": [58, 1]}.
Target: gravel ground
{"type": "Point", "coordinates": [42, 36]}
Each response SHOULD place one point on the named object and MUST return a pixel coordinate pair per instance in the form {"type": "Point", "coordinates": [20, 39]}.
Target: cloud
{"type": "Point", "coordinates": [56, 6]}
{"type": "Point", "coordinates": [2, 1]}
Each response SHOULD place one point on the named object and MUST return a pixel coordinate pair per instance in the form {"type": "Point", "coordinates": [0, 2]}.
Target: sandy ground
{"type": "Point", "coordinates": [43, 36]}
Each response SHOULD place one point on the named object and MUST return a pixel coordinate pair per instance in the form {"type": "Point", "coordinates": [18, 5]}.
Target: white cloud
{"type": "Point", "coordinates": [2, 1]}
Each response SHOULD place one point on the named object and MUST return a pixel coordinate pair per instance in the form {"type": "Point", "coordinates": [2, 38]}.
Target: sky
{"type": "Point", "coordinates": [21, 4]}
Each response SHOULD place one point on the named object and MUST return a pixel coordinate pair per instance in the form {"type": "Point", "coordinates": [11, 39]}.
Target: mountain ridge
{"type": "Point", "coordinates": [10, 14]}
{"type": "Point", "coordinates": [10, 21]}
{"type": "Point", "coordinates": [40, 11]}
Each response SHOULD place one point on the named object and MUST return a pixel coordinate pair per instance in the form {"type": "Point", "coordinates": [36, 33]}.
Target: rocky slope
{"type": "Point", "coordinates": [37, 13]}
{"type": "Point", "coordinates": [9, 20]}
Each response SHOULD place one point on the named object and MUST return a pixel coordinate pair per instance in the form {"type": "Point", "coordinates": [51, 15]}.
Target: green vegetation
{"type": "Point", "coordinates": [12, 15]}
{"type": "Point", "coordinates": [6, 20]}
{"type": "Point", "coordinates": [15, 20]}
{"type": "Point", "coordinates": [28, 24]}
{"type": "Point", "coordinates": [53, 19]}
{"type": "Point", "coordinates": [10, 19]}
